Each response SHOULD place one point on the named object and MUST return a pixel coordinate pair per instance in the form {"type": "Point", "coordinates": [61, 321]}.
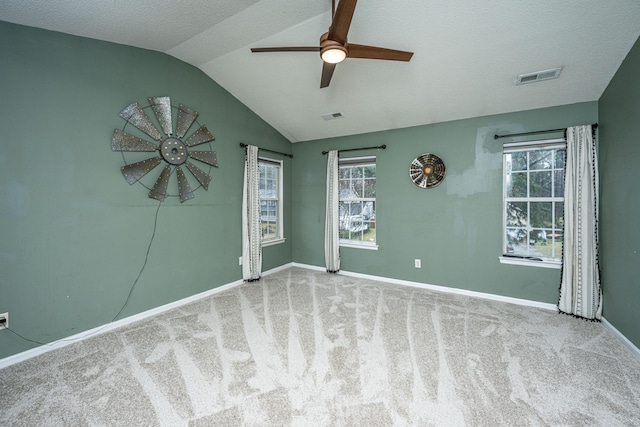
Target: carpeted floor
{"type": "Point", "coordinates": [303, 347]}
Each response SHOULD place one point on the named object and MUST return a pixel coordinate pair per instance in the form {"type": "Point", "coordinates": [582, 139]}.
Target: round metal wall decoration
{"type": "Point", "coordinates": [427, 171]}
{"type": "Point", "coordinates": [173, 148]}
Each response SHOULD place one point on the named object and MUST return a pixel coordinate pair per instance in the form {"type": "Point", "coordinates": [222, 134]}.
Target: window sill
{"type": "Point", "coordinates": [368, 246]}
{"type": "Point", "coordinates": [530, 262]}
{"type": "Point", "coordinates": [273, 242]}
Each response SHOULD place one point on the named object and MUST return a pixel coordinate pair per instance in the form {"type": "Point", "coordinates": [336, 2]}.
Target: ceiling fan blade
{"type": "Point", "coordinates": [372, 52]}
{"type": "Point", "coordinates": [200, 175]}
{"type": "Point", "coordinates": [286, 49]}
{"type": "Point", "coordinates": [135, 115]}
{"type": "Point", "coordinates": [327, 72]}
{"type": "Point", "coordinates": [342, 21]}
{"type": "Point", "coordinates": [201, 136]}
{"type": "Point", "coordinates": [186, 117]}
{"type": "Point", "coordinates": [134, 171]}
{"type": "Point", "coordinates": [159, 190]}
{"type": "Point", "coordinates": [122, 141]}
{"type": "Point", "coordinates": [161, 106]}
{"type": "Point", "coordinates": [208, 157]}
{"type": "Point", "coordinates": [184, 189]}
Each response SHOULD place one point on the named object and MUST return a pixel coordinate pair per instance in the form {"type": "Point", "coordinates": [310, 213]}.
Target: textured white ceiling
{"type": "Point", "coordinates": [467, 53]}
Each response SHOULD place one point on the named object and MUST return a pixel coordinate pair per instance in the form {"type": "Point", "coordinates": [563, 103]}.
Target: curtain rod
{"type": "Point", "coordinates": [594, 127]}
{"type": "Point", "coordinates": [381, 147]}
{"type": "Point", "coordinates": [243, 145]}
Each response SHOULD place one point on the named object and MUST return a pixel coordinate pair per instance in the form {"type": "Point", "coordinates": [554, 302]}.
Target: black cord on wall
{"type": "Point", "coordinates": [135, 282]}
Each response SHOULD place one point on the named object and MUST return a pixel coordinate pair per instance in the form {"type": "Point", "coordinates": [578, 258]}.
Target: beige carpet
{"type": "Point", "coordinates": [302, 347]}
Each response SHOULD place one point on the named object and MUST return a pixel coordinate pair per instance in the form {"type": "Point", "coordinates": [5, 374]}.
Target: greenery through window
{"type": "Point", "coordinates": [357, 211]}
{"type": "Point", "coordinates": [534, 200]}
{"type": "Point", "coordinates": [270, 199]}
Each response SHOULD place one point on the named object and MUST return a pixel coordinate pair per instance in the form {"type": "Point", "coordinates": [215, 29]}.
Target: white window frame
{"type": "Point", "coordinates": [359, 161]}
{"type": "Point", "coordinates": [543, 262]}
{"type": "Point", "coordinates": [279, 199]}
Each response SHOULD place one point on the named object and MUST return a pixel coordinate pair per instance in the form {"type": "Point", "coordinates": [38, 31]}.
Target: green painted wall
{"type": "Point", "coordinates": [454, 228]}
{"type": "Point", "coordinates": [619, 159]}
{"type": "Point", "coordinates": [74, 233]}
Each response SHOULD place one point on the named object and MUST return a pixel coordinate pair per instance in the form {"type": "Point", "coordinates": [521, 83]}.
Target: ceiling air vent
{"type": "Point", "coordinates": [332, 116]}
{"type": "Point", "coordinates": [538, 76]}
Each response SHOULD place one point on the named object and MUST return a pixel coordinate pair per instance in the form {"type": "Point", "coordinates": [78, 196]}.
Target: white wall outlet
{"type": "Point", "coordinates": [418, 263]}
{"type": "Point", "coordinates": [5, 324]}
{"type": "Point", "coordinates": [240, 261]}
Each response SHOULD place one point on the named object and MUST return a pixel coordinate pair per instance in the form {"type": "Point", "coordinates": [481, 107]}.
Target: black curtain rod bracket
{"type": "Point", "coordinates": [379, 147]}
{"type": "Point", "coordinates": [243, 145]}
{"type": "Point", "coordinates": [537, 132]}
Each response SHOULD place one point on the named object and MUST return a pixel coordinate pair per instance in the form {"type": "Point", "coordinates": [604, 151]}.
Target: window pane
{"type": "Point", "coordinates": [559, 215]}
{"type": "Point", "coordinates": [357, 189]}
{"type": "Point", "coordinates": [370, 171]}
{"type": "Point", "coordinates": [517, 213]}
{"type": "Point", "coordinates": [541, 214]}
{"type": "Point", "coordinates": [370, 188]}
{"type": "Point", "coordinates": [517, 185]}
{"type": "Point", "coordinates": [540, 184]}
{"type": "Point", "coordinates": [516, 241]}
{"type": "Point", "coordinates": [540, 159]}
{"type": "Point", "coordinates": [518, 160]}
{"type": "Point", "coordinates": [560, 155]}
{"type": "Point", "coordinates": [344, 173]}
{"type": "Point", "coordinates": [558, 183]}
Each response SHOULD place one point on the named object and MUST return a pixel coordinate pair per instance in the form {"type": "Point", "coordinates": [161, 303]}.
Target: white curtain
{"type": "Point", "coordinates": [580, 293]}
{"type": "Point", "coordinates": [251, 233]}
{"type": "Point", "coordinates": [331, 225]}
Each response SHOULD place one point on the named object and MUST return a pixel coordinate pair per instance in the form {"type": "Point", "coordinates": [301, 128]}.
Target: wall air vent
{"type": "Point", "coordinates": [538, 76]}
{"type": "Point", "coordinates": [332, 116]}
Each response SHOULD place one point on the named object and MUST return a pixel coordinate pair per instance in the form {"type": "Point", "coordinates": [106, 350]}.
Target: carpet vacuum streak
{"type": "Point", "coordinates": [302, 348]}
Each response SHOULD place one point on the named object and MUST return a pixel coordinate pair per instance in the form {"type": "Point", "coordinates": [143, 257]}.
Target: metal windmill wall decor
{"type": "Point", "coordinates": [174, 150]}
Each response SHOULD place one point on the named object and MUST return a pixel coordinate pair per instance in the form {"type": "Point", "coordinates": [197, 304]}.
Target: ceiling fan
{"type": "Point", "coordinates": [334, 47]}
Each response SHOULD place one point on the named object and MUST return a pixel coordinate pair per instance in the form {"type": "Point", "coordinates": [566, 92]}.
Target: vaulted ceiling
{"type": "Point", "coordinates": [468, 53]}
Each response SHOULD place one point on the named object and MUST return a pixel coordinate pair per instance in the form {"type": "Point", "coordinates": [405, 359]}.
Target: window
{"type": "Point", "coordinates": [357, 210]}
{"type": "Point", "coordinates": [534, 200]}
{"type": "Point", "coordinates": [270, 200]}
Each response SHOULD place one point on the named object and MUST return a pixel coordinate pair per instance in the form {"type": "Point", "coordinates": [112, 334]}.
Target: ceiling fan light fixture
{"type": "Point", "coordinates": [333, 54]}
{"type": "Point", "coordinates": [331, 51]}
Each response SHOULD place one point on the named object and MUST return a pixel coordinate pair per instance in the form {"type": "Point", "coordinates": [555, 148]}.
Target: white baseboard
{"type": "Point", "coordinates": [16, 358]}
{"type": "Point", "coordinates": [28, 354]}
{"type": "Point", "coordinates": [437, 288]}
{"type": "Point", "coordinates": [635, 350]}
{"type": "Point", "coordinates": [474, 294]}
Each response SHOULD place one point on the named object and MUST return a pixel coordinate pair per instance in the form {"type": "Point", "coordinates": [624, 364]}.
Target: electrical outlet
{"type": "Point", "coordinates": [418, 263]}
{"type": "Point", "coordinates": [5, 324]}
{"type": "Point", "coordinates": [240, 261]}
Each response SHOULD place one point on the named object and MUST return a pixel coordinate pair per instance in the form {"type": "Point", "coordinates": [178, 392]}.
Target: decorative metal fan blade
{"type": "Point", "coordinates": [200, 136]}
{"type": "Point", "coordinates": [203, 178]}
{"type": "Point", "coordinates": [161, 106]}
{"type": "Point", "coordinates": [327, 72]}
{"type": "Point", "coordinates": [208, 157]}
{"type": "Point", "coordinates": [159, 190]}
{"type": "Point", "coordinates": [183, 186]}
{"type": "Point", "coordinates": [372, 52]}
{"type": "Point", "coordinates": [186, 117]}
{"type": "Point", "coordinates": [286, 49]}
{"type": "Point", "coordinates": [122, 141]}
{"type": "Point", "coordinates": [342, 21]}
{"type": "Point", "coordinates": [135, 115]}
{"type": "Point", "coordinates": [427, 170]}
{"type": "Point", "coordinates": [134, 171]}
